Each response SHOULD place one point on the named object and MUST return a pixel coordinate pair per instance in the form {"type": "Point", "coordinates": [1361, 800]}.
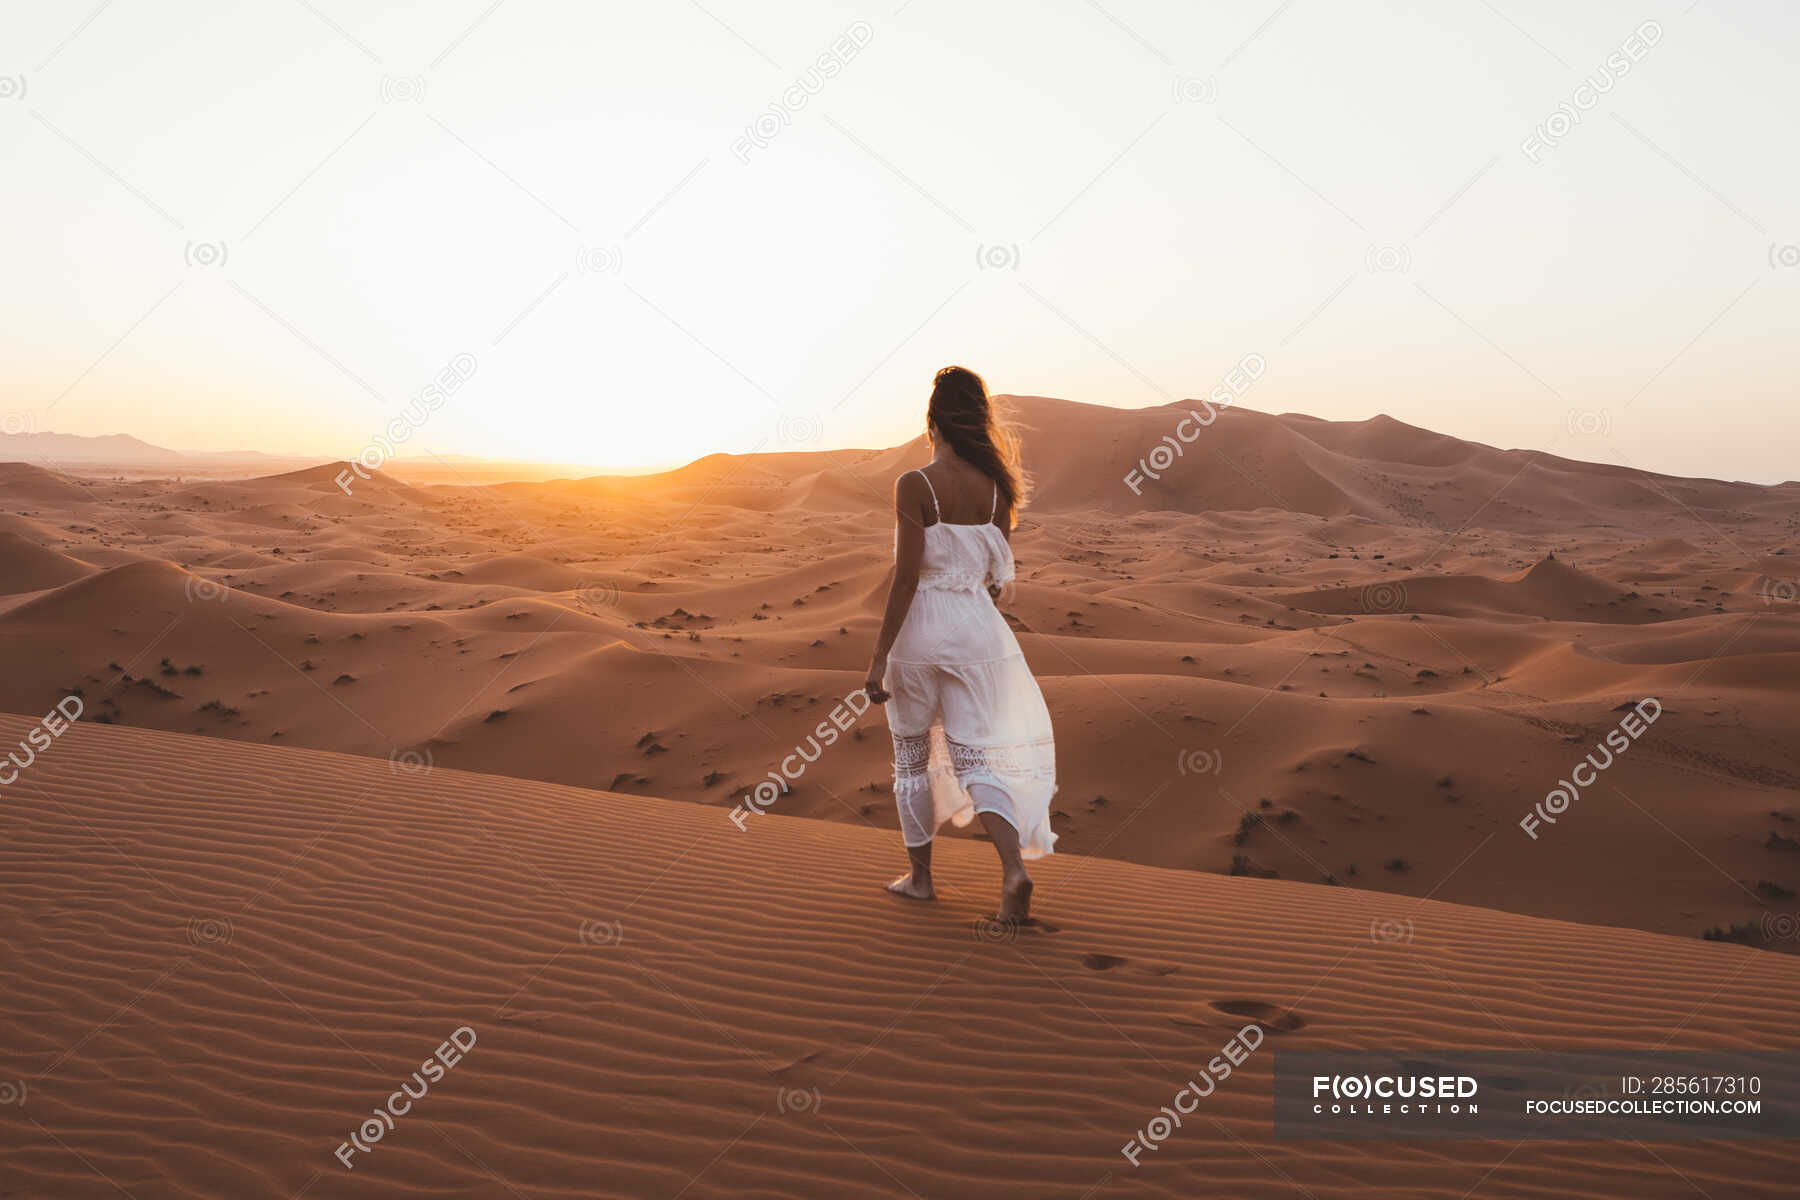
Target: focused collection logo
{"type": "Point", "coordinates": [1395, 1095]}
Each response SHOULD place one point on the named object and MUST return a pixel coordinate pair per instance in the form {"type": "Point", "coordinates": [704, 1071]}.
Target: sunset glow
{"type": "Point", "coordinates": [666, 230]}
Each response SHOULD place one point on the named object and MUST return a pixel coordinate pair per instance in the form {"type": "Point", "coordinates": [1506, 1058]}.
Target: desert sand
{"type": "Point", "coordinates": [1326, 652]}
{"type": "Point", "coordinates": [222, 956]}
{"type": "Point", "coordinates": [370, 768]}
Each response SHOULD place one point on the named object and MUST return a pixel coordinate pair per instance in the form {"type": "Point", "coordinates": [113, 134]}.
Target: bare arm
{"type": "Point", "coordinates": [909, 549]}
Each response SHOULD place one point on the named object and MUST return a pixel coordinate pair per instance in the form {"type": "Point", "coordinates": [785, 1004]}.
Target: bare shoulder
{"type": "Point", "coordinates": [911, 494]}
{"type": "Point", "coordinates": [909, 485]}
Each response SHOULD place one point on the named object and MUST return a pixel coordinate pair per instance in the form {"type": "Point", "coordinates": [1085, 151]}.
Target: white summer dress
{"type": "Point", "coordinates": [964, 707]}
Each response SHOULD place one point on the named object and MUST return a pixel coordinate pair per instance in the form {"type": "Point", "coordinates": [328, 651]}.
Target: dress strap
{"type": "Point", "coordinates": [994, 509]}
{"type": "Point", "coordinates": [935, 511]}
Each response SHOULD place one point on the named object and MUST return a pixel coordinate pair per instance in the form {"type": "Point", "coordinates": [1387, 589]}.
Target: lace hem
{"type": "Point", "coordinates": [913, 763]}
{"type": "Point", "coordinates": [911, 752]}
{"type": "Point", "coordinates": [933, 775]}
{"type": "Point", "coordinates": [913, 773]}
{"type": "Point", "coordinates": [959, 766]}
{"type": "Point", "coordinates": [1032, 760]}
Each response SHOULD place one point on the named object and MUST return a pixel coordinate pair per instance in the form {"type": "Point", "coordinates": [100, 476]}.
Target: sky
{"type": "Point", "coordinates": [627, 235]}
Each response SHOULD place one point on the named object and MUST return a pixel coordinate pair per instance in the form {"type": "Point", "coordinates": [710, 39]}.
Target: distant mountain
{"type": "Point", "coordinates": [120, 453]}
{"type": "Point", "coordinates": [112, 448]}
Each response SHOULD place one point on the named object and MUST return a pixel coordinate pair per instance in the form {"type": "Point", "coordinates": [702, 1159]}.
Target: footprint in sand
{"type": "Point", "coordinates": [523, 1016]}
{"type": "Point", "coordinates": [1271, 1017]}
{"type": "Point", "coordinates": [780, 1071]}
{"type": "Point", "coordinates": [1106, 962]}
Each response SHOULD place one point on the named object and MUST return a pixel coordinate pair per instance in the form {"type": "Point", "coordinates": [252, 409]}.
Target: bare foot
{"type": "Point", "coordinates": [1015, 898]}
{"type": "Point", "coordinates": [913, 887]}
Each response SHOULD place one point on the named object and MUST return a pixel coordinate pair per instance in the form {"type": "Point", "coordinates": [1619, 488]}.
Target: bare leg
{"type": "Point", "coordinates": [1015, 883]}
{"type": "Point", "coordinates": [916, 886]}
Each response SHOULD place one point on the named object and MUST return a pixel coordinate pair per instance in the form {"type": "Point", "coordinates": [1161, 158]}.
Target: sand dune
{"type": "Point", "coordinates": [1381, 469]}
{"type": "Point", "coordinates": [28, 566]}
{"type": "Point", "coordinates": [523, 571]}
{"type": "Point", "coordinates": [1359, 686]}
{"type": "Point", "coordinates": [1549, 589]}
{"type": "Point", "coordinates": [24, 482]}
{"type": "Point", "coordinates": [222, 957]}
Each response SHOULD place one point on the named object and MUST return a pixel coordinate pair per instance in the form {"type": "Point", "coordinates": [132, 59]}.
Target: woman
{"type": "Point", "coordinates": [971, 733]}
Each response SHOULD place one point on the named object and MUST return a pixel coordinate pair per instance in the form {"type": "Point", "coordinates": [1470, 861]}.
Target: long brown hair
{"type": "Point", "coordinates": [961, 414]}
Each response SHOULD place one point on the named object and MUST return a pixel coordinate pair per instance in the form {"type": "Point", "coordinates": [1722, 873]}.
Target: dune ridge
{"type": "Point", "coordinates": [1378, 469]}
